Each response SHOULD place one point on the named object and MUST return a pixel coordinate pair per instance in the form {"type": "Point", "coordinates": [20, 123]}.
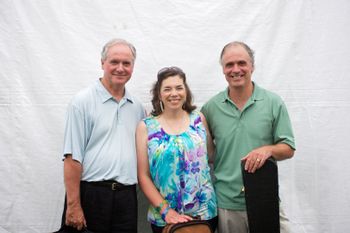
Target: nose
{"type": "Point", "coordinates": [120, 67]}
{"type": "Point", "coordinates": [173, 92]}
{"type": "Point", "coordinates": [235, 68]}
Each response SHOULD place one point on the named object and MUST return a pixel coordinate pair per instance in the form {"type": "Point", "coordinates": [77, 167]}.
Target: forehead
{"type": "Point", "coordinates": [172, 81]}
{"type": "Point", "coordinates": [119, 51]}
{"type": "Point", "coordinates": [235, 53]}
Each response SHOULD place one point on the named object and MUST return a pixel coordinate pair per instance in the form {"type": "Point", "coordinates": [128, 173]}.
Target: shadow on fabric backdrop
{"type": "Point", "coordinates": [143, 226]}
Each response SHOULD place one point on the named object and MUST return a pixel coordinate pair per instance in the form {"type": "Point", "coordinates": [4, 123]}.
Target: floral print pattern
{"type": "Point", "coordinates": [180, 171]}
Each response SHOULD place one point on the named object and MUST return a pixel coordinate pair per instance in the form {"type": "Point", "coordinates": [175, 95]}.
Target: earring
{"type": "Point", "coordinates": [161, 106]}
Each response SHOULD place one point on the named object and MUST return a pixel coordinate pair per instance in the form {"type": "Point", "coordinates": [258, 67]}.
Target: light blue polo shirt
{"type": "Point", "coordinates": [264, 120]}
{"type": "Point", "coordinates": [100, 134]}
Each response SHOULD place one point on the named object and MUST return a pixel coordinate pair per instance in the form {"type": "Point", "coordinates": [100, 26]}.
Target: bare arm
{"type": "Point", "coordinates": [210, 143]}
{"type": "Point", "coordinates": [257, 157]}
{"type": "Point", "coordinates": [144, 177]}
{"type": "Point", "coordinates": [72, 174]}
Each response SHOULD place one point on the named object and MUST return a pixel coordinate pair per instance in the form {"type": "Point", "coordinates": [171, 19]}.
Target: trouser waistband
{"type": "Point", "coordinates": [110, 184]}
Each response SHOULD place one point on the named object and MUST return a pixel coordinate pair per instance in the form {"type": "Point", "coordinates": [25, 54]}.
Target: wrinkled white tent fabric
{"type": "Point", "coordinates": [49, 50]}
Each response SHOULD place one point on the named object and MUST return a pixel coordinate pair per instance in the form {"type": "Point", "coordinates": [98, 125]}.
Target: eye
{"type": "Point", "coordinates": [229, 65]}
{"type": "Point", "coordinates": [242, 63]}
{"type": "Point", "coordinates": [126, 63]}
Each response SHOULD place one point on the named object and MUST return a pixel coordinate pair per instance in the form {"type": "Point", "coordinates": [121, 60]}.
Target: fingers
{"type": "Point", "coordinates": [256, 158]}
{"type": "Point", "coordinates": [253, 163]}
{"type": "Point", "coordinates": [75, 220]}
{"type": "Point", "coordinates": [79, 226]}
{"type": "Point", "coordinates": [182, 218]}
{"type": "Point", "coordinates": [187, 218]}
{"type": "Point", "coordinates": [256, 165]}
{"type": "Point", "coordinates": [76, 224]}
{"type": "Point", "coordinates": [171, 216]}
{"type": "Point", "coordinates": [174, 217]}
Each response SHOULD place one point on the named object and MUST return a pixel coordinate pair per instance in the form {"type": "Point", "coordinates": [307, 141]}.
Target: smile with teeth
{"type": "Point", "coordinates": [236, 75]}
{"type": "Point", "coordinates": [119, 75]}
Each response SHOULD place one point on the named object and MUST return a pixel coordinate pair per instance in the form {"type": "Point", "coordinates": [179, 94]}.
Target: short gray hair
{"type": "Point", "coordinates": [113, 42]}
{"type": "Point", "coordinates": [245, 46]}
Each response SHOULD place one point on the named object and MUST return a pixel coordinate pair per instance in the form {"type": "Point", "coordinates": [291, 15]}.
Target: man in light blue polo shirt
{"type": "Point", "coordinates": [248, 123]}
{"type": "Point", "coordinates": [99, 149]}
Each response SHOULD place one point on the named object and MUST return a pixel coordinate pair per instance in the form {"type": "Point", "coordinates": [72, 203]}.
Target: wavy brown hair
{"type": "Point", "coordinates": [163, 74]}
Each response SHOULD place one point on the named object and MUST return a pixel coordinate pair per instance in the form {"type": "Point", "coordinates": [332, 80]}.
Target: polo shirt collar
{"type": "Point", "coordinates": [258, 93]}
{"type": "Point", "coordinates": [105, 95]}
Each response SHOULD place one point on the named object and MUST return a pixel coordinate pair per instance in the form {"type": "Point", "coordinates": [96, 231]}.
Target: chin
{"type": "Point", "coordinates": [175, 107]}
{"type": "Point", "coordinates": [237, 85]}
{"type": "Point", "coordinates": [118, 82]}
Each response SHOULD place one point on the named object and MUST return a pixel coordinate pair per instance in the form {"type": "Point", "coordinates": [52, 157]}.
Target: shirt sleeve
{"type": "Point", "coordinates": [282, 128]}
{"type": "Point", "coordinates": [204, 111]}
{"type": "Point", "coordinates": [74, 136]}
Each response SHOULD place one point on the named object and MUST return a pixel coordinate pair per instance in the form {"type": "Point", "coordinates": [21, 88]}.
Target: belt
{"type": "Point", "coordinates": [110, 184]}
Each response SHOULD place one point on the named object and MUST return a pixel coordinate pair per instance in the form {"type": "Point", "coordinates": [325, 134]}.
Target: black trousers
{"type": "Point", "coordinates": [213, 224]}
{"type": "Point", "coordinates": [108, 207]}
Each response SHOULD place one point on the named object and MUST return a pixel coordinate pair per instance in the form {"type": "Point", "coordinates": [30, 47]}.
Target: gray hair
{"type": "Point", "coordinates": [113, 42]}
{"type": "Point", "coordinates": [245, 46]}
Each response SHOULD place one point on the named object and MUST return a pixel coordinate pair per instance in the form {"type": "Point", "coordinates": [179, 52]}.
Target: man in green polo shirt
{"type": "Point", "coordinates": [248, 123]}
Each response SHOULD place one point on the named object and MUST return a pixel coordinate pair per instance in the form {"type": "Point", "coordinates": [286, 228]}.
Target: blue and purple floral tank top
{"type": "Point", "coordinates": [179, 169]}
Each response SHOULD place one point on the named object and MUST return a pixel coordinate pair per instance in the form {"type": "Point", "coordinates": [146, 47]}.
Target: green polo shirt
{"type": "Point", "coordinates": [264, 120]}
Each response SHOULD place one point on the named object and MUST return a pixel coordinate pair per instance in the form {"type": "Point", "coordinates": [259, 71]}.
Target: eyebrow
{"type": "Point", "coordinates": [180, 85]}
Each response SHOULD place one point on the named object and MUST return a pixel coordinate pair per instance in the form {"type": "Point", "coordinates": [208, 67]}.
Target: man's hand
{"type": "Point", "coordinates": [75, 216]}
{"type": "Point", "coordinates": [256, 158]}
{"type": "Point", "coordinates": [72, 174]}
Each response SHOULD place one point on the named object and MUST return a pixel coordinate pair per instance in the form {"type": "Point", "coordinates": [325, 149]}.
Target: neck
{"type": "Point", "coordinates": [174, 122]}
{"type": "Point", "coordinates": [174, 114]}
{"type": "Point", "coordinates": [116, 91]}
{"type": "Point", "coordinates": [241, 95]}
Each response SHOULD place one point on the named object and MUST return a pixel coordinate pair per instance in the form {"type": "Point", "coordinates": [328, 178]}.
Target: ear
{"type": "Point", "coordinates": [222, 67]}
{"type": "Point", "coordinates": [102, 62]}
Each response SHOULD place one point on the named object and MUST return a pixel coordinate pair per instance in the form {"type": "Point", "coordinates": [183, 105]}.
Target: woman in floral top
{"type": "Point", "coordinates": [173, 145]}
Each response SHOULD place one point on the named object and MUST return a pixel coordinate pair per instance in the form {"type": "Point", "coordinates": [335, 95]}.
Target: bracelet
{"type": "Point", "coordinates": [165, 212]}
{"type": "Point", "coordinates": [160, 207]}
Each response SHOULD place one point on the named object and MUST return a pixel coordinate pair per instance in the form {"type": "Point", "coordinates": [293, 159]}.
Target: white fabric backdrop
{"type": "Point", "coordinates": [50, 49]}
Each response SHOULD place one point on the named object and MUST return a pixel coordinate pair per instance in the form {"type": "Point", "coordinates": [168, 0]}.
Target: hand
{"type": "Point", "coordinates": [256, 158]}
{"type": "Point", "coordinates": [174, 217]}
{"type": "Point", "coordinates": [75, 217]}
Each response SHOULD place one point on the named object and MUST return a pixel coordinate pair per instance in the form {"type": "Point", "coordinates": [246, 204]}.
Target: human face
{"type": "Point", "coordinates": [237, 67]}
{"type": "Point", "coordinates": [118, 66]}
{"type": "Point", "coordinates": [173, 92]}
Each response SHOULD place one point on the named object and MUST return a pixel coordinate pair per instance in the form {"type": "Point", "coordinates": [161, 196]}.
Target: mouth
{"type": "Point", "coordinates": [237, 76]}
{"type": "Point", "coordinates": [174, 101]}
{"type": "Point", "coordinates": [118, 75]}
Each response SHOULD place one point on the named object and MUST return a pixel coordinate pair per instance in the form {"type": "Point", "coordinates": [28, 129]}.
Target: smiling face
{"type": "Point", "coordinates": [237, 67]}
{"type": "Point", "coordinates": [173, 93]}
{"type": "Point", "coordinates": [118, 66]}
